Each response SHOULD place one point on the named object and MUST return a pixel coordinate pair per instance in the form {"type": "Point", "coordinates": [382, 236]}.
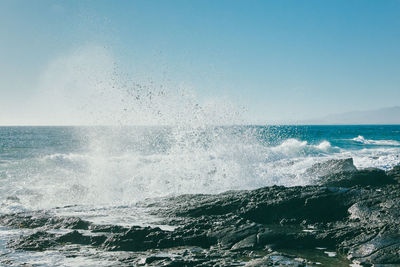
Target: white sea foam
{"type": "Point", "coordinates": [294, 147]}
{"type": "Point", "coordinates": [123, 165]}
{"type": "Point", "coordinates": [172, 161]}
{"type": "Point", "coordinates": [362, 140]}
{"type": "Point", "coordinates": [382, 158]}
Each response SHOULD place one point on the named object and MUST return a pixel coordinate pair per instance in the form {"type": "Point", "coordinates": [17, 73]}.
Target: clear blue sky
{"type": "Point", "coordinates": [279, 59]}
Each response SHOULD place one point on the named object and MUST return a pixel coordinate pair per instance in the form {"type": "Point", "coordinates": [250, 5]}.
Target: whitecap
{"type": "Point", "coordinates": [362, 140]}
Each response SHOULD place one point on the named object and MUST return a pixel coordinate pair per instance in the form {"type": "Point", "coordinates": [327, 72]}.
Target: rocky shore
{"type": "Point", "coordinates": [349, 213]}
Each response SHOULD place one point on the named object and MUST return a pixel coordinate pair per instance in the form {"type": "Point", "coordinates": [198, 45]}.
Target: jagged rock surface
{"type": "Point", "coordinates": [355, 213]}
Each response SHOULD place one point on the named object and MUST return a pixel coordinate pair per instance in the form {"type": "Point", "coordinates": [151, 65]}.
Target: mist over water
{"type": "Point", "coordinates": [144, 140]}
{"type": "Point", "coordinates": [181, 149]}
{"type": "Point", "coordinates": [160, 140]}
{"type": "Point", "coordinates": [46, 167]}
{"type": "Point", "coordinates": [88, 86]}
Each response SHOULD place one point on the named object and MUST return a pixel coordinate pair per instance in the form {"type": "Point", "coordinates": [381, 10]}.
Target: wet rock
{"type": "Point", "coordinates": [395, 173]}
{"type": "Point", "coordinates": [38, 241]}
{"type": "Point", "coordinates": [136, 239]}
{"type": "Point", "coordinates": [357, 216]}
{"type": "Point", "coordinates": [233, 236]}
{"type": "Point", "coordinates": [384, 248]}
{"type": "Point", "coordinates": [107, 229]}
{"type": "Point", "coordinates": [73, 223]}
{"type": "Point", "coordinates": [23, 220]}
{"type": "Point", "coordinates": [152, 259]}
{"type": "Point", "coordinates": [343, 173]}
{"type": "Point", "coordinates": [376, 228]}
{"type": "Point", "coordinates": [331, 166]}
{"type": "Point", "coordinates": [277, 259]}
{"type": "Point", "coordinates": [365, 177]}
{"type": "Point", "coordinates": [41, 219]}
{"type": "Point", "coordinates": [297, 204]}
{"type": "Point", "coordinates": [74, 237]}
{"type": "Point", "coordinates": [246, 243]}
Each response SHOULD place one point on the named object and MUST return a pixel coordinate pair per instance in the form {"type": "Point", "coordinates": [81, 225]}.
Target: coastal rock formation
{"type": "Point", "coordinates": [353, 213]}
{"type": "Point", "coordinates": [395, 173]}
{"type": "Point", "coordinates": [332, 166]}
{"type": "Point", "coordinates": [343, 173]}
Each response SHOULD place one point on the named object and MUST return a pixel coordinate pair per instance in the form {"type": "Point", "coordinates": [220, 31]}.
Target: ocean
{"type": "Point", "coordinates": [103, 174]}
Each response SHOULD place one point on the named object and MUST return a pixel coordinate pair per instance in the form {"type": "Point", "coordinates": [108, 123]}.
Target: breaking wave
{"type": "Point", "coordinates": [125, 165]}
{"type": "Point", "coordinates": [362, 140]}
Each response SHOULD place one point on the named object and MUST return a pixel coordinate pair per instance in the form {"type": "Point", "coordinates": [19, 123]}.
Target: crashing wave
{"type": "Point", "coordinates": [292, 147]}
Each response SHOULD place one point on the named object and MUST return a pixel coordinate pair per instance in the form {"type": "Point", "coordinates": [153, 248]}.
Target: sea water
{"type": "Point", "coordinates": [102, 174]}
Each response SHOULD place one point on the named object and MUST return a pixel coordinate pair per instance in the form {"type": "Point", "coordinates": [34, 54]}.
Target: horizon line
{"type": "Point", "coordinates": [222, 125]}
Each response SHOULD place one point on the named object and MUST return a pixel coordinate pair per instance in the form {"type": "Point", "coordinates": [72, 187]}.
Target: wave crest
{"type": "Point", "coordinates": [362, 140]}
{"type": "Point", "coordinates": [293, 147]}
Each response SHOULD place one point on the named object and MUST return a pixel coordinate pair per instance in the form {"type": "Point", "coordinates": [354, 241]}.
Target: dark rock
{"type": "Point", "coordinates": [278, 259]}
{"type": "Point", "coordinates": [152, 259]}
{"type": "Point", "coordinates": [107, 229]}
{"type": "Point", "coordinates": [38, 241]}
{"type": "Point", "coordinates": [41, 219]}
{"type": "Point", "coordinates": [357, 216]}
{"type": "Point", "coordinates": [365, 177]}
{"type": "Point", "coordinates": [231, 236]}
{"type": "Point", "coordinates": [395, 173]}
{"type": "Point", "coordinates": [343, 173]}
{"type": "Point", "coordinates": [296, 204]}
{"type": "Point", "coordinates": [74, 237]}
{"type": "Point", "coordinates": [136, 239]}
{"type": "Point", "coordinates": [331, 166]}
{"type": "Point", "coordinates": [73, 223]}
{"type": "Point", "coordinates": [23, 220]}
{"type": "Point", "coordinates": [246, 243]}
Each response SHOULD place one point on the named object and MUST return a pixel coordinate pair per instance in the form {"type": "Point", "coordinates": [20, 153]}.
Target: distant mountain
{"type": "Point", "coordinates": [390, 115]}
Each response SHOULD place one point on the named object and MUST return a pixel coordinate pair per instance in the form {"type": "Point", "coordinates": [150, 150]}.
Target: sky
{"type": "Point", "coordinates": [275, 60]}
